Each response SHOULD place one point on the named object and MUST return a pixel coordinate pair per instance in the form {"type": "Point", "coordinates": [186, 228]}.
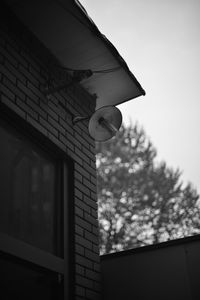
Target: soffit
{"type": "Point", "coordinates": [71, 36]}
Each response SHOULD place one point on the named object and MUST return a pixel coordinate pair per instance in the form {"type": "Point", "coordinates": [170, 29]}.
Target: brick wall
{"type": "Point", "coordinates": [24, 68]}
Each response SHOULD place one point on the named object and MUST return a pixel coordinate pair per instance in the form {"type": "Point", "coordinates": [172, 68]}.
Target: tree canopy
{"type": "Point", "coordinates": [141, 201]}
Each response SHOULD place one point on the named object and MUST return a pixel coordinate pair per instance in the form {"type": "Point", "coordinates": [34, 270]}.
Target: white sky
{"type": "Point", "coordinates": [160, 42]}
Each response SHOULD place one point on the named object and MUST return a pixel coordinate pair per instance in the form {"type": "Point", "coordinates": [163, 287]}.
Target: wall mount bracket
{"type": "Point", "coordinates": [78, 76]}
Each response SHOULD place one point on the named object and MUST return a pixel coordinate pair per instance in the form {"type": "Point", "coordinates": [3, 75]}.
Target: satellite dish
{"type": "Point", "coordinates": [105, 123]}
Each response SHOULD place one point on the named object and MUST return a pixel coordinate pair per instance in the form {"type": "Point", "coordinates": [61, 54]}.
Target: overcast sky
{"type": "Point", "coordinates": [160, 42]}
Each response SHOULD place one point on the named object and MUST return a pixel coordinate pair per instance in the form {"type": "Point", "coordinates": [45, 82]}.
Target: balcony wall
{"type": "Point", "coordinates": [168, 271]}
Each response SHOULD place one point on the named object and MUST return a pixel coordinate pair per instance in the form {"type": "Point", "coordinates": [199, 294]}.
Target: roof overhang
{"type": "Point", "coordinates": [65, 28]}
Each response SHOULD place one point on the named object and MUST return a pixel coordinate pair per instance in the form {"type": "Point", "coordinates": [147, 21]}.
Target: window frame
{"type": "Point", "coordinates": [31, 254]}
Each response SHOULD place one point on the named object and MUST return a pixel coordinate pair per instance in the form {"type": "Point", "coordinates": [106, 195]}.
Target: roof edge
{"type": "Point", "coordinates": [109, 45]}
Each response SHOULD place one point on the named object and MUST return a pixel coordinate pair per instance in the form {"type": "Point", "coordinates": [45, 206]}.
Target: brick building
{"type": "Point", "coordinates": [48, 208]}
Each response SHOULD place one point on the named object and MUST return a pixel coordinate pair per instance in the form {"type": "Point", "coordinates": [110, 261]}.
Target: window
{"type": "Point", "coordinates": [33, 217]}
{"type": "Point", "coordinates": [29, 192]}
{"type": "Point", "coordinates": [23, 281]}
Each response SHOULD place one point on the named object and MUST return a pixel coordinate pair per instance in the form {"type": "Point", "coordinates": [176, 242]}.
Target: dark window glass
{"type": "Point", "coordinates": [28, 191]}
{"type": "Point", "coordinates": [20, 280]}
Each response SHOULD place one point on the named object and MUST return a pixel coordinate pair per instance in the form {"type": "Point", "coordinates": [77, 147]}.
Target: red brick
{"type": "Point", "coordinates": [89, 154]}
{"type": "Point", "coordinates": [95, 229]}
{"type": "Point", "coordinates": [79, 230]}
{"type": "Point", "coordinates": [90, 185]}
{"type": "Point", "coordinates": [82, 140]}
{"type": "Point", "coordinates": [36, 107]}
{"type": "Point", "coordinates": [93, 180]}
{"type": "Point", "coordinates": [83, 242]}
{"type": "Point", "coordinates": [78, 212]}
{"type": "Point", "coordinates": [82, 155]}
{"type": "Point", "coordinates": [82, 171]}
{"type": "Point", "coordinates": [89, 169]}
{"type": "Point", "coordinates": [80, 270]}
{"type": "Point", "coordinates": [79, 249]}
{"type": "Point", "coordinates": [78, 194]}
{"type": "Point", "coordinates": [82, 188]}
{"type": "Point", "coordinates": [92, 256]}
{"type": "Point", "coordinates": [12, 87]}
{"type": "Point", "coordinates": [91, 295]}
{"type": "Point", "coordinates": [94, 213]}
{"type": "Point", "coordinates": [91, 237]}
{"type": "Point", "coordinates": [27, 109]}
{"type": "Point", "coordinates": [56, 141]}
{"type": "Point", "coordinates": [28, 75]}
{"type": "Point", "coordinates": [15, 72]}
{"type": "Point", "coordinates": [27, 91]}
{"type": "Point", "coordinates": [80, 291]}
{"type": "Point", "coordinates": [7, 73]}
{"type": "Point", "coordinates": [37, 125]}
{"type": "Point", "coordinates": [96, 267]}
{"type": "Point", "coordinates": [56, 125]}
{"type": "Point", "coordinates": [95, 249]}
{"type": "Point", "coordinates": [78, 176]}
{"type": "Point", "coordinates": [92, 275]}
{"type": "Point", "coordinates": [48, 126]}
{"type": "Point", "coordinates": [13, 106]}
{"type": "Point", "coordinates": [90, 202]}
{"type": "Point", "coordinates": [84, 281]}
{"type": "Point", "coordinates": [7, 92]}
{"type": "Point", "coordinates": [90, 218]}
{"type": "Point", "coordinates": [83, 261]}
{"type": "Point", "coordinates": [75, 157]}
{"type": "Point", "coordinates": [83, 223]}
{"type": "Point", "coordinates": [82, 205]}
